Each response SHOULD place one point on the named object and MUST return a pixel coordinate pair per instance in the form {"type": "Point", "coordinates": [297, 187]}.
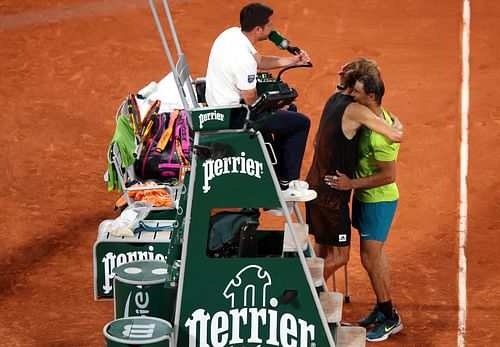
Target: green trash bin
{"type": "Point", "coordinates": [139, 290]}
{"type": "Point", "coordinates": [138, 331]}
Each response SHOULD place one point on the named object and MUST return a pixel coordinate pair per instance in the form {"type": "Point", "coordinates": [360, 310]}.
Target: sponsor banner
{"type": "Point", "coordinates": [109, 255]}
{"type": "Point", "coordinates": [252, 318]}
{"type": "Point", "coordinates": [243, 169]}
{"type": "Point", "coordinates": [237, 165]}
{"type": "Point", "coordinates": [211, 119]}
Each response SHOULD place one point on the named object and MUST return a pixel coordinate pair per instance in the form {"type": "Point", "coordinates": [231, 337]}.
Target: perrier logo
{"type": "Point", "coordinates": [230, 165]}
{"type": "Point", "coordinates": [112, 260]}
{"type": "Point", "coordinates": [251, 310]}
{"type": "Point", "coordinates": [205, 117]}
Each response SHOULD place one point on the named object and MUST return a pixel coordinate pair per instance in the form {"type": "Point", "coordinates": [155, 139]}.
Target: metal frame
{"type": "Point", "coordinates": [180, 70]}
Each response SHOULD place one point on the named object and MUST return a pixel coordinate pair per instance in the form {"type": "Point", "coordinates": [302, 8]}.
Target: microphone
{"type": "Point", "coordinates": [282, 43]}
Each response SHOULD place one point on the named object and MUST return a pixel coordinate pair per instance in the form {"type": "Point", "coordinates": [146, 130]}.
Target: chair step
{"type": "Point", "coordinates": [332, 303]}
{"type": "Point", "coordinates": [350, 336]}
{"type": "Point", "coordinates": [302, 232]}
{"type": "Point", "coordinates": [316, 266]}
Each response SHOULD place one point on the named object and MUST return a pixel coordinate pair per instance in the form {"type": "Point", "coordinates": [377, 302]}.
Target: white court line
{"type": "Point", "coordinates": [464, 158]}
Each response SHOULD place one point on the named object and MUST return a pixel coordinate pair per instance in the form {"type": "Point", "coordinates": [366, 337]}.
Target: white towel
{"type": "Point", "coordinates": [166, 91]}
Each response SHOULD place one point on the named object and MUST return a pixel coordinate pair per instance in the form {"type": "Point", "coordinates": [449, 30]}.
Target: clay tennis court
{"type": "Point", "coordinates": [66, 65]}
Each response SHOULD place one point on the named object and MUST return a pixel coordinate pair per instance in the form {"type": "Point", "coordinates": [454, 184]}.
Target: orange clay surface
{"type": "Point", "coordinates": [65, 66]}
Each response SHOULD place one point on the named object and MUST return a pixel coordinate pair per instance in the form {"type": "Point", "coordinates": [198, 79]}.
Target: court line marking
{"type": "Point", "coordinates": [464, 158]}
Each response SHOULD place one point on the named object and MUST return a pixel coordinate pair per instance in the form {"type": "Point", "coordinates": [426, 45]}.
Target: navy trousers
{"type": "Point", "coordinates": [289, 130]}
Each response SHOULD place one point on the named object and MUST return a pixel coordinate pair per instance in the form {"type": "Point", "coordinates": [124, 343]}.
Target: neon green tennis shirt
{"type": "Point", "coordinates": [372, 147]}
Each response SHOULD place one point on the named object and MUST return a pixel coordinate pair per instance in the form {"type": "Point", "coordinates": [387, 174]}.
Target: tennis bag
{"type": "Point", "coordinates": [166, 146]}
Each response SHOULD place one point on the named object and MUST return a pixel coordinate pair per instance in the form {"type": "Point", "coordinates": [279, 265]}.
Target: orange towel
{"type": "Point", "coordinates": [156, 197]}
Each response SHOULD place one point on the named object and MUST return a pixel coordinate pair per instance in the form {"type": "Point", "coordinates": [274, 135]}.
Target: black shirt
{"type": "Point", "coordinates": [333, 151]}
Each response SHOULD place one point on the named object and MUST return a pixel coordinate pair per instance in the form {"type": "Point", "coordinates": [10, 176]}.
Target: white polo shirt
{"type": "Point", "coordinates": [231, 68]}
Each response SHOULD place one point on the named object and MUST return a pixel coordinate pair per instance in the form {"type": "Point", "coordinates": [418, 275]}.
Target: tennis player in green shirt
{"type": "Point", "coordinates": [374, 205]}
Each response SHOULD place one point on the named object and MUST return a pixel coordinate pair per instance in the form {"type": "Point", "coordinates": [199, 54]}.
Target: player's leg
{"type": "Point", "coordinates": [332, 231]}
{"type": "Point", "coordinates": [373, 221]}
{"type": "Point", "coordinates": [375, 263]}
{"type": "Point", "coordinates": [335, 258]}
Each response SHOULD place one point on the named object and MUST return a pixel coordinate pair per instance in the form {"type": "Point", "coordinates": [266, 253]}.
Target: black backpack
{"type": "Point", "coordinates": [167, 146]}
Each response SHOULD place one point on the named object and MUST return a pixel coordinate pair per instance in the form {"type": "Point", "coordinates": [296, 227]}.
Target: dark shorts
{"type": "Point", "coordinates": [330, 227]}
{"type": "Point", "coordinates": [373, 219]}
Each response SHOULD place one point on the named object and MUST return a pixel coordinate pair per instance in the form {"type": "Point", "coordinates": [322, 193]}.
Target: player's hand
{"type": "Point", "coordinates": [398, 126]}
{"type": "Point", "coordinates": [341, 71]}
{"type": "Point", "coordinates": [341, 74]}
{"type": "Point", "coordinates": [338, 181]}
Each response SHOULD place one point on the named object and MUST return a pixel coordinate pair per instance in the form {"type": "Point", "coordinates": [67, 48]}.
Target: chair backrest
{"type": "Point", "coordinates": [182, 74]}
{"type": "Point", "coordinates": [200, 84]}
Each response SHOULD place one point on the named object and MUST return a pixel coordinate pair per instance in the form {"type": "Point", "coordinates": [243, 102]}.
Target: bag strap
{"type": "Point", "coordinates": [184, 132]}
{"type": "Point", "coordinates": [168, 132]}
{"type": "Point", "coordinates": [182, 158]}
{"type": "Point", "coordinates": [151, 144]}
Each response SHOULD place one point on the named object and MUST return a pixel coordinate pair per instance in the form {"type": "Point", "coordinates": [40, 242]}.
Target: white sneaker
{"type": "Point", "coordinates": [299, 194]}
{"type": "Point", "coordinates": [279, 211]}
{"type": "Point", "coordinates": [299, 185]}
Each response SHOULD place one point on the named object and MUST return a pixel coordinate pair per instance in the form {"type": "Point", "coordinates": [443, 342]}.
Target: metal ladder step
{"type": "Point", "coordinates": [302, 232]}
{"type": "Point", "coordinates": [350, 336]}
{"type": "Point", "coordinates": [332, 303]}
{"type": "Point", "coordinates": [316, 266]}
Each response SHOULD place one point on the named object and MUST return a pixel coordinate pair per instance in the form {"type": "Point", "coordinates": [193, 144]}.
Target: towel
{"type": "Point", "coordinates": [125, 140]}
{"type": "Point", "coordinates": [166, 91]}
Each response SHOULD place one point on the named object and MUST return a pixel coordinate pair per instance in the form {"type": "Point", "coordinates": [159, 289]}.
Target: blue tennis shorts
{"type": "Point", "coordinates": [373, 219]}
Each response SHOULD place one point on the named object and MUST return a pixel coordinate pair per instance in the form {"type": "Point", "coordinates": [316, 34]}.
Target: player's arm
{"type": "Point", "coordinates": [364, 116]}
{"type": "Point", "coordinates": [269, 62]}
{"type": "Point", "coordinates": [385, 175]}
{"type": "Point", "coordinates": [249, 95]}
